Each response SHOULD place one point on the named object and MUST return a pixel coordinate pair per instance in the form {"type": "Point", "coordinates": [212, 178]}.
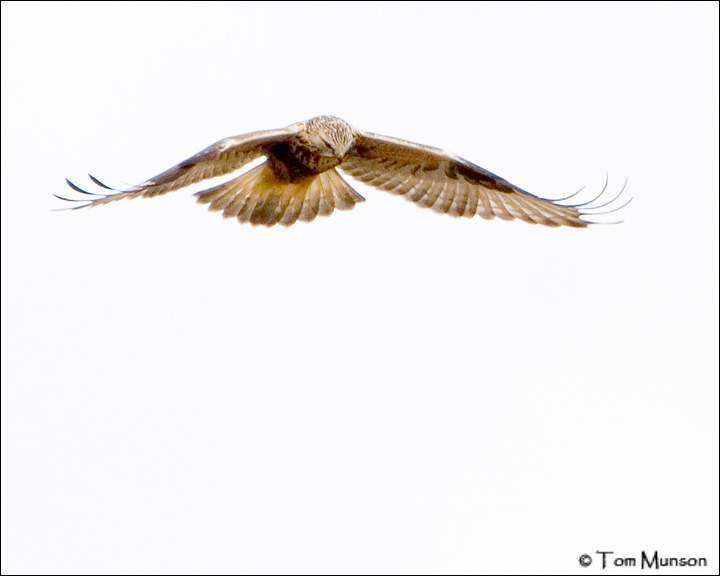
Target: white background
{"type": "Point", "coordinates": [385, 390]}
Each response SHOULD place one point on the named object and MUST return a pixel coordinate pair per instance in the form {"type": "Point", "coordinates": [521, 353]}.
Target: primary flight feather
{"type": "Point", "coordinates": [299, 180]}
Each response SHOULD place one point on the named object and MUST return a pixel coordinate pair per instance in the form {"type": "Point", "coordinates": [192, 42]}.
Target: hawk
{"type": "Point", "coordinates": [299, 178]}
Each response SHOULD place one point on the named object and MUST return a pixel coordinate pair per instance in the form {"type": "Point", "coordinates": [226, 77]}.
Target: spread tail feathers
{"type": "Point", "coordinates": [259, 197]}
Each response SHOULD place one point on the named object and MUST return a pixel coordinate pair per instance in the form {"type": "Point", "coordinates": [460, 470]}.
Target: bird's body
{"type": "Point", "coordinates": [320, 146]}
{"type": "Point", "coordinates": [299, 179]}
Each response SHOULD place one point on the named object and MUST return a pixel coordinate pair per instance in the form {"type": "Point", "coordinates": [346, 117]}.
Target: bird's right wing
{"type": "Point", "coordinates": [218, 159]}
{"type": "Point", "coordinates": [434, 178]}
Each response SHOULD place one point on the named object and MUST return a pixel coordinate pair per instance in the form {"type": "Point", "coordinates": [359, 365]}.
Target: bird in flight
{"type": "Point", "coordinates": [299, 180]}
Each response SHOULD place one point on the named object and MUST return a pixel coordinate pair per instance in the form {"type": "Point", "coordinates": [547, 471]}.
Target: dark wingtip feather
{"type": "Point", "coordinates": [78, 189]}
{"type": "Point", "coordinates": [591, 211]}
{"type": "Point", "coordinates": [70, 207]}
{"type": "Point", "coordinates": [69, 199]}
{"type": "Point", "coordinates": [101, 184]}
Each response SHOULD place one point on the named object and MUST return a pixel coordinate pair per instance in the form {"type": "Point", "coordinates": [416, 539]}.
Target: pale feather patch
{"type": "Point", "coordinates": [260, 198]}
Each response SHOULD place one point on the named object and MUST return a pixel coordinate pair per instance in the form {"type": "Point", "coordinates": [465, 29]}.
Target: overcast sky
{"type": "Point", "coordinates": [386, 390]}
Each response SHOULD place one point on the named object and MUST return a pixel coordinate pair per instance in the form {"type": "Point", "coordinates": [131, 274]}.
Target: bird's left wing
{"type": "Point", "coordinates": [434, 178]}
{"type": "Point", "coordinates": [221, 158]}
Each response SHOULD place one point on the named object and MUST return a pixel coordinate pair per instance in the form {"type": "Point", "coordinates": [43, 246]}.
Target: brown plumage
{"type": "Point", "coordinates": [299, 180]}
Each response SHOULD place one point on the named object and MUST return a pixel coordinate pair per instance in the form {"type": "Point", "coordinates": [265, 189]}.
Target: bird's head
{"type": "Point", "coordinates": [331, 136]}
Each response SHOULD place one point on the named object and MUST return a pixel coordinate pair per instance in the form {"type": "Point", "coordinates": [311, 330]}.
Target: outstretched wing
{"type": "Point", "coordinates": [434, 178]}
{"type": "Point", "coordinates": [221, 158]}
